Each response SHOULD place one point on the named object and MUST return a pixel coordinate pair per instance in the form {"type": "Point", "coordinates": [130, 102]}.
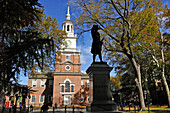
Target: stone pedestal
{"type": "Point", "coordinates": [100, 91]}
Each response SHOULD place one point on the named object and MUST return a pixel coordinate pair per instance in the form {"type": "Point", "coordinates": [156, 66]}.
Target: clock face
{"type": "Point", "coordinates": [67, 67]}
{"type": "Point", "coordinates": [69, 43]}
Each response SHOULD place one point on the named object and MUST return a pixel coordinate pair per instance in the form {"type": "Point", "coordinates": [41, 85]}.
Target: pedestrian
{"type": "Point", "coordinates": [31, 108]}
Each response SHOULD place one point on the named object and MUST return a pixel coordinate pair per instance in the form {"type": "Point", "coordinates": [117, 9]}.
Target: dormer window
{"type": "Point", "coordinates": [68, 28]}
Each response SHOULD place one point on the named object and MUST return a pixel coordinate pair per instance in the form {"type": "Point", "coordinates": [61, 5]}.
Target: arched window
{"type": "Point", "coordinates": [67, 86]}
{"type": "Point", "coordinates": [68, 27]}
{"type": "Point", "coordinates": [71, 28]}
{"type": "Point", "coordinates": [62, 88]}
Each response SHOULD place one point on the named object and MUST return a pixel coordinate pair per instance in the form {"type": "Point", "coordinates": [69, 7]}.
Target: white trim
{"type": "Point", "coordinates": [82, 82]}
{"type": "Point", "coordinates": [62, 84]}
{"type": "Point", "coordinates": [67, 73]}
{"type": "Point", "coordinates": [88, 83]}
{"type": "Point", "coordinates": [34, 84]}
{"type": "Point", "coordinates": [42, 82]}
{"type": "Point", "coordinates": [67, 93]}
{"type": "Point", "coordinates": [67, 80]}
{"type": "Point", "coordinates": [68, 56]}
{"type": "Point", "coordinates": [67, 66]}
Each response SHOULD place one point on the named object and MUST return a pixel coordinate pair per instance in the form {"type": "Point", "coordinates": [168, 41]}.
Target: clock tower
{"type": "Point", "coordinates": [67, 75]}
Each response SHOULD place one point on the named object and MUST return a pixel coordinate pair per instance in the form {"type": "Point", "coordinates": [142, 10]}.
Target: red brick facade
{"type": "Point", "coordinates": [68, 85]}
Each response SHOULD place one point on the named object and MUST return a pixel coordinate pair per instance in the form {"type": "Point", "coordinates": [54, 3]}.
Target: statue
{"type": "Point", "coordinates": [97, 43]}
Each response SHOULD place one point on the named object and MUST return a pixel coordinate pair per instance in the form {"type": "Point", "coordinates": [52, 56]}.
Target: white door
{"type": "Point", "coordinates": [67, 99]}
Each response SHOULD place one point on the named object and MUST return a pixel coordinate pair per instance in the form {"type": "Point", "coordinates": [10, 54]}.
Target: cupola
{"type": "Point", "coordinates": [68, 25]}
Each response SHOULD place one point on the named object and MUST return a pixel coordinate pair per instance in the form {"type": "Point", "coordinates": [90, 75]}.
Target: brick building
{"type": "Point", "coordinates": [66, 85]}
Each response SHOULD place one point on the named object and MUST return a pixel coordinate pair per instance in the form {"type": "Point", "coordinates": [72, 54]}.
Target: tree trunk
{"type": "Point", "coordinates": [138, 81]}
{"type": "Point", "coordinates": [166, 87]}
{"type": "Point", "coordinates": [163, 71]}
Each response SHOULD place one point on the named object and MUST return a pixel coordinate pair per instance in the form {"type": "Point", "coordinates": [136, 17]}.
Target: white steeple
{"type": "Point", "coordinates": [71, 39]}
{"type": "Point", "coordinates": [68, 13]}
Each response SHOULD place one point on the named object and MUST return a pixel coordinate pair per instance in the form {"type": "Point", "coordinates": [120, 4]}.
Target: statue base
{"type": "Point", "coordinates": [100, 93]}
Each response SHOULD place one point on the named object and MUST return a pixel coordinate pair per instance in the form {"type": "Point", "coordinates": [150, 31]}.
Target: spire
{"type": "Point", "coordinates": [68, 14]}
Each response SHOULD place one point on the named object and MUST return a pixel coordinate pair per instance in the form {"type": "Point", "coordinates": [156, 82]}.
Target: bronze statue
{"type": "Point", "coordinates": [97, 43]}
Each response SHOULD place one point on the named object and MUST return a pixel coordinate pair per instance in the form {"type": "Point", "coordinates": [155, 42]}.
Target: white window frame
{"type": "Point", "coordinates": [68, 68]}
{"type": "Point", "coordinates": [35, 83]}
{"type": "Point", "coordinates": [43, 83]}
{"type": "Point", "coordinates": [40, 98]}
{"type": "Point", "coordinates": [67, 87]}
{"type": "Point", "coordinates": [71, 88]}
{"type": "Point", "coordinates": [88, 83]}
{"type": "Point", "coordinates": [68, 59]}
{"type": "Point", "coordinates": [63, 88]}
{"type": "Point", "coordinates": [31, 98]}
{"type": "Point", "coordinates": [68, 27]}
{"type": "Point", "coordinates": [82, 83]}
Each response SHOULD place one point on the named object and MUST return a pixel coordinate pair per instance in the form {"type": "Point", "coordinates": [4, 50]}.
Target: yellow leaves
{"type": "Point", "coordinates": [141, 4]}
{"type": "Point", "coordinates": [49, 28]}
{"type": "Point", "coordinates": [144, 24]}
{"type": "Point", "coordinates": [115, 81]}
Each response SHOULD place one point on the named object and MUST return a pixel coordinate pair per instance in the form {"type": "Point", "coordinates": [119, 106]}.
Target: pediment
{"type": "Point", "coordinates": [67, 62]}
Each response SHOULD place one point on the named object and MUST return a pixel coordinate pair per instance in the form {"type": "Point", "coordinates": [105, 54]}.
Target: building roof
{"type": "Point", "coordinates": [85, 76]}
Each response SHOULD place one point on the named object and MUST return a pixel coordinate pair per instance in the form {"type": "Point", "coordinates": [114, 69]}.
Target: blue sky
{"type": "Point", "coordinates": [58, 9]}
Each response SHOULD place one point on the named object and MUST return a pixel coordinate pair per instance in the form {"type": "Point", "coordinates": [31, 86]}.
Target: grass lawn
{"type": "Point", "coordinates": [153, 109]}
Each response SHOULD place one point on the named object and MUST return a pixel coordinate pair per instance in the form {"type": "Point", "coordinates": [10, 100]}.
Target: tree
{"type": "Point", "coordinates": [160, 54]}
{"type": "Point", "coordinates": [165, 55]}
{"type": "Point", "coordinates": [125, 24]}
{"type": "Point", "coordinates": [48, 27]}
{"type": "Point", "coordinates": [24, 42]}
{"type": "Point", "coordinates": [115, 82]}
{"type": "Point", "coordinates": [15, 34]}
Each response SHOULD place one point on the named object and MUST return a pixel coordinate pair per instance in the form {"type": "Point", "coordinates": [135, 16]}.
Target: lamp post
{"type": "Point", "coordinates": [120, 95]}
{"type": "Point", "coordinates": [147, 97]}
